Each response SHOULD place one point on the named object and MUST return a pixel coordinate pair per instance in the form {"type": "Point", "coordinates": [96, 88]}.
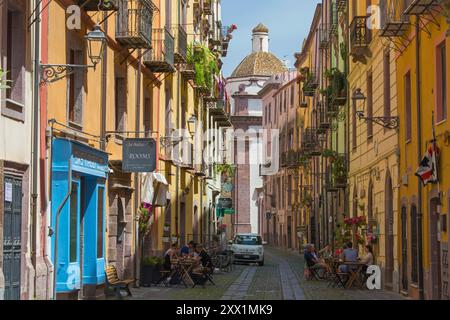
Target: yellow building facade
{"type": "Point", "coordinates": [373, 145]}
{"type": "Point", "coordinates": [422, 78]}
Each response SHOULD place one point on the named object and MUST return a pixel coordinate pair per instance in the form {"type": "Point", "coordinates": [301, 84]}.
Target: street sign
{"type": "Point", "coordinates": [139, 155]}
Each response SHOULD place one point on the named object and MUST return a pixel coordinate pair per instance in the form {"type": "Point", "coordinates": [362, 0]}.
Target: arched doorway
{"type": "Point", "coordinates": [389, 232]}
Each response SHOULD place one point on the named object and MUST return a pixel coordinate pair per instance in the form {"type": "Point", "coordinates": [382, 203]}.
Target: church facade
{"type": "Point", "coordinates": [243, 86]}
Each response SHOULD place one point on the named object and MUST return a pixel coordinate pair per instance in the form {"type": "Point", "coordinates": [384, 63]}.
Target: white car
{"type": "Point", "coordinates": [248, 247]}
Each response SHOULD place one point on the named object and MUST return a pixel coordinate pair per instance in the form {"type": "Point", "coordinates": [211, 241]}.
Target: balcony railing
{"type": "Point", "coordinates": [339, 89]}
{"type": "Point", "coordinates": [160, 58]}
{"type": "Point", "coordinates": [180, 36]}
{"type": "Point", "coordinates": [134, 23]}
{"type": "Point", "coordinates": [310, 84]}
{"type": "Point", "coordinates": [394, 22]}
{"type": "Point", "coordinates": [324, 37]}
{"type": "Point", "coordinates": [310, 143]}
{"type": "Point", "coordinates": [324, 117]}
{"type": "Point", "coordinates": [334, 19]}
{"type": "Point", "coordinates": [425, 7]}
{"type": "Point", "coordinates": [360, 38]}
{"type": "Point", "coordinates": [98, 5]}
{"type": "Point", "coordinates": [342, 5]}
{"type": "Point", "coordinates": [207, 7]}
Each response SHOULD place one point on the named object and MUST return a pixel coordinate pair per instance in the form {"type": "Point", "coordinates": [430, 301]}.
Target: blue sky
{"type": "Point", "coordinates": [288, 21]}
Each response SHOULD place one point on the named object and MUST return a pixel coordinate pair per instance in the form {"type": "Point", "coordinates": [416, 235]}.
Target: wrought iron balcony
{"type": "Point", "coordinates": [425, 7]}
{"type": "Point", "coordinates": [339, 88]}
{"type": "Point", "coordinates": [394, 22]}
{"type": "Point", "coordinates": [360, 39]}
{"type": "Point", "coordinates": [188, 71]}
{"type": "Point", "coordinates": [334, 19]}
{"type": "Point", "coordinates": [310, 143]}
{"type": "Point", "coordinates": [180, 36]}
{"type": "Point", "coordinates": [342, 5]}
{"type": "Point", "coordinates": [310, 84]}
{"type": "Point", "coordinates": [160, 58]}
{"type": "Point", "coordinates": [324, 37]}
{"type": "Point", "coordinates": [324, 118]}
{"type": "Point", "coordinates": [207, 7]}
{"type": "Point", "coordinates": [338, 173]}
{"type": "Point", "coordinates": [134, 23]}
{"type": "Point", "coordinates": [98, 5]}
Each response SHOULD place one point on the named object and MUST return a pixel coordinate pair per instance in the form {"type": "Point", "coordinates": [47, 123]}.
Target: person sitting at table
{"type": "Point", "coordinates": [203, 266]}
{"type": "Point", "coordinates": [312, 261]}
{"type": "Point", "coordinates": [369, 259]}
{"type": "Point", "coordinates": [170, 254]}
{"type": "Point", "coordinates": [325, 253]}
{"type": "Point", "coordinates": [186, 250]}
{"type": "Point", "coordinates": [348, 255]}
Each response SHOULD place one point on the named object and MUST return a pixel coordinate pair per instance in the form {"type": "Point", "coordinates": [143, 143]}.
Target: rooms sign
{"type": "Point", "coordinates": [139, 155]}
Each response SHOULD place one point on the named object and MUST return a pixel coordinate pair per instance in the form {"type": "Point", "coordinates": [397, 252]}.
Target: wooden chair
{"type": "Point", "coordinates": [113, 281]}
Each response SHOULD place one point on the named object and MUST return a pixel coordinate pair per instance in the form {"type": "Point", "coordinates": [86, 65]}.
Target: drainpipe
{"type": "Point", "coordinates": [35, 148]}
{"type": "Point", "coordinates": [136, 175]}
{"type": "Point", "coordinates": [419, 144]}
{"type": "Point", "coordinates": [104, 90]}
{"type": "Point", "coordinates": [58, 213]}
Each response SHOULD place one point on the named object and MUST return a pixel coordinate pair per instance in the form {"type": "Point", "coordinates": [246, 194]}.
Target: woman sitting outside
{"type": "Point", "coordinates": [369, 259]}
{"type": "Point", "coordinates": [169, 256]}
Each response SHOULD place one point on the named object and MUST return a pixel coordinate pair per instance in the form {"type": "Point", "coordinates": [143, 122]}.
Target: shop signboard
{"type": "Point", "coordinates": [139, 155]}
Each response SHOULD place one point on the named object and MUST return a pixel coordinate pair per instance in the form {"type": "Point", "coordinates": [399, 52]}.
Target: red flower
{"type": "Point", "coordinates": [233, 27]}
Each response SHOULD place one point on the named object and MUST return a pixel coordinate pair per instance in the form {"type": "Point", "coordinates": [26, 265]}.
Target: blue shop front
{"type": "Point", "coordinates": [81, 227]}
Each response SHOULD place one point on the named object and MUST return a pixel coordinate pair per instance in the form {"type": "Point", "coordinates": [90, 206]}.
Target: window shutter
{"type": "Point", "coordinates": [78, 88]}
{"type": "Point", "coordinates": [121, 104]}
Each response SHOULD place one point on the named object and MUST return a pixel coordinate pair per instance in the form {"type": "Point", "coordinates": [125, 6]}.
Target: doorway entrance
{"type": "Point", "coordinates": [12, 239]}
{"type": "Point", "coordinates": [435, 251]}
{"type": "Point", "coordinates": [389, 233]}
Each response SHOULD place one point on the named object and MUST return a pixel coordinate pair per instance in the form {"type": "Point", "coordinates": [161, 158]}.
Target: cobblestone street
{"type": "Point", "coordinates": [281, 278]}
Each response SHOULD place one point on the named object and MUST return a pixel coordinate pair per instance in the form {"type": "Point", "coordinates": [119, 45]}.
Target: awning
{"type": "Point", "coordinates": [154, 189]}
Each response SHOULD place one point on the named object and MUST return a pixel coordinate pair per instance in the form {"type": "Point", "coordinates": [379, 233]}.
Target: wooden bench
{"type": "Point", "coordinates": [113, 281]}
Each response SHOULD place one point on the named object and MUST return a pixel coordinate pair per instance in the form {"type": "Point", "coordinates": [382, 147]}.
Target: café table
{"type": "Point", "coordinates": [337, 278]}
{"type": "Point", "coordinates": [186, 266]}
{"type": "Point", "coordinates": [355, 270]}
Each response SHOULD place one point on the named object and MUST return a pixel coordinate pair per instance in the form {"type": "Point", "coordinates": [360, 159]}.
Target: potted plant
{"type": "Point", "coordinates": [339, 170]}
{"type": "Point", "coordinates": [3, 82]}
{"type": "Point", "coordinates": [328, 153]}
{"type": "Point", "coordinates": [150, 271]}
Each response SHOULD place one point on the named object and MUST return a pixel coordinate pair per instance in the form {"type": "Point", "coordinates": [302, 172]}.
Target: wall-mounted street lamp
{"type": "Point", "coordinates": [192, 125]}
{"type": "Point", "coordinates": [386, 122]}
{"type": "Point", "coordinates": [96, 42]}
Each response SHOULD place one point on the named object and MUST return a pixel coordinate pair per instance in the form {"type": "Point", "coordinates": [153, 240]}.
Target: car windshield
{"type": "Point", "coordinates": [248, 240]}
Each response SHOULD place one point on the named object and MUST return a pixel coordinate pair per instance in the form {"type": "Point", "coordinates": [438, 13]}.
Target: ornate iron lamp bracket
{"type": "Point", "coordinates": [54, 72]}
{"type": "Point", "coordinates": [386, 122]}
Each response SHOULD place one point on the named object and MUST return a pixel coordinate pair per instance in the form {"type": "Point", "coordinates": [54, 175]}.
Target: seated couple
{"type": "Point", "coordinates": [351, 255]}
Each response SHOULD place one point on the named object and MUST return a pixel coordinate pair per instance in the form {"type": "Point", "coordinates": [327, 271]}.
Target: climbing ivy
{"type": "Point", "coordinates": [205, 64]}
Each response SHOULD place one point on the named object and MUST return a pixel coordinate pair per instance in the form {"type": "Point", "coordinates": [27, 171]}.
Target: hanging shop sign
{"type": "Point", "coordinates": [139, 155]}
{"type": "Point", "coordinates": [227, 189]}
{"type": "Point", "coordinates": [225, 203]}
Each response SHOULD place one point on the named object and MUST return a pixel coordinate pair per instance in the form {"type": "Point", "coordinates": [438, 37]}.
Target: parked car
{"type": "Point", "coordinates": [248, 247]}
